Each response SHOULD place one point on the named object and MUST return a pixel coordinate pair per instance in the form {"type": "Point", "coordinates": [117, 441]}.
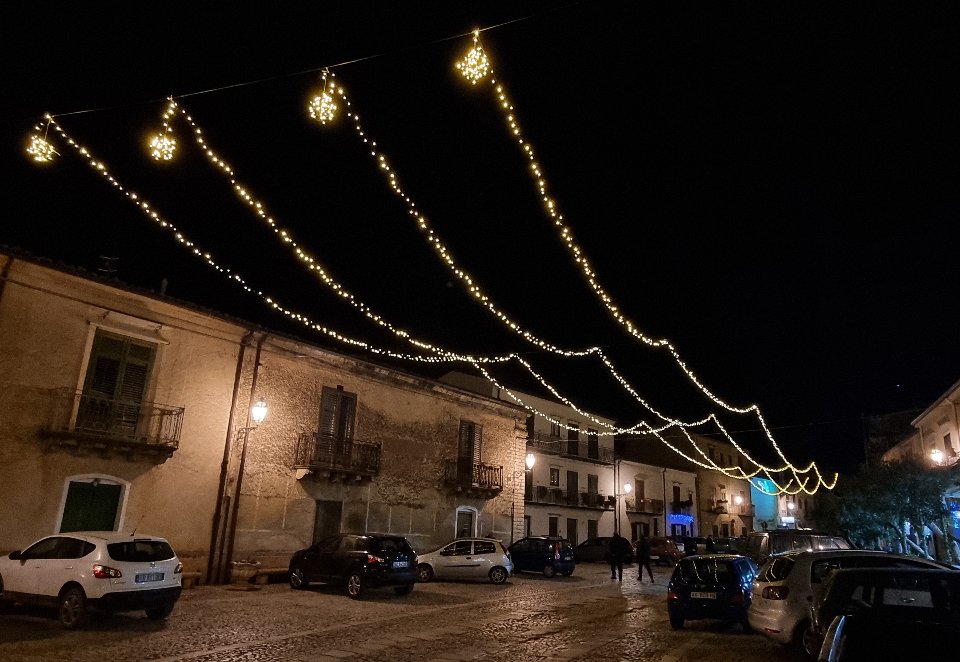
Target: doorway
{"type": "Point", "coordinates": [327, 520]}
{"type": "Point", "coordinates": [91, 505]}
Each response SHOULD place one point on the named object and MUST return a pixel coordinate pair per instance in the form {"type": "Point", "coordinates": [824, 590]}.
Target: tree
{"type": "Point", "coordinates": [880, 500]}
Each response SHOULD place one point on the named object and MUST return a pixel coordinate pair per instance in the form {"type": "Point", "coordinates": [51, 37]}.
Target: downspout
{"type": "Point", "coordinates": [663, 475]}
{"type": "Point", "coordinates": [235, 506]}
{"type": "Point", "coordinates": [215, 557]}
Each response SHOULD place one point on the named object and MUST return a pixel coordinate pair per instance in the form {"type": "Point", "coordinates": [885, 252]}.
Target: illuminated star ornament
{"type": "Point", "coordinates": [322, 108]}
{"type": "Point", "coordinates": [163, 145]}
{"type": "Point", "coordinates": [475, 65]}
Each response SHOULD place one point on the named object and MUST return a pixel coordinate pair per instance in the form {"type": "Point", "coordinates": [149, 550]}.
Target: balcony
{"type": "Point", "coordinates": [681, 507]}
{"type": "Point", "coordinates": [646, 506]}
{"type": "Point", "coordinates": [337, 459]}
{"type": "Point", "coordinates": [588, 450]}
{"type": "Point", "coordinates": [474, 479]}
{"type": "Point", "coordinates": [87, 422]}
{"type": "Point", "coordinates": [718, 506]}
{"type": "Point", "coordinates": [553, 495]}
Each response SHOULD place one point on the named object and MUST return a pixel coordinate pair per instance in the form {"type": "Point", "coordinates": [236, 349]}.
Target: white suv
{"type": "Point", "coordinates": [105, 569]}
{"type": "Point", "coordinates": [783, 589]}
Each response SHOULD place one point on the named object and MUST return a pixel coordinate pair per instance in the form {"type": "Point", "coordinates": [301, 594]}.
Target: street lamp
{"type": "Point", "coordinates": [531, 460]}
{"type": "Point", "coordinates": [258, 413]}
{"type": "Point", "coordinates": [937, 456]}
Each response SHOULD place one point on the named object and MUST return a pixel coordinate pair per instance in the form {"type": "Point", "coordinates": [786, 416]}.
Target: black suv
{"type": "Point", "coordinates": [358, 561]}
{"type": "Point", "coordinates": [547, 554]}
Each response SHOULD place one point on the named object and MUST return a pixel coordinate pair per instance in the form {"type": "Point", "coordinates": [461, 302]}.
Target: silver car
{"type": "Point", "coordinates": [466, 558]}
{"type": "Point", "coordinates": [784, 588]}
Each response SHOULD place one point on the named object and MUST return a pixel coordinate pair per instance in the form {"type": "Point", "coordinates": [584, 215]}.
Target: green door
{"type": "Point", "coordinates": [90, 507]}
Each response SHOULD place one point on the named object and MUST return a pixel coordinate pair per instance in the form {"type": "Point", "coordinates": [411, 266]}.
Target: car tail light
{"type": "Point", "coordinates": [178, 569]}
{"type": "Point", "coordinates": [672, 596]}
{"type": "Point", "coordinates": [556, 550]}
{"type": "Point", "coordinates": [737, 598]}
{"type": "Point", "coordinates": [775, 592]}
{"type": "Point", "coordinates": [371, 559]}
{"type": "Point", "coordinates": [105, 572]}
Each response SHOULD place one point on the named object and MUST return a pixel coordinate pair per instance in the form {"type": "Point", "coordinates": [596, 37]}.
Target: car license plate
{"type": "Point", "coordinates": [703, 596]}
{"type": "Point", "coordinates": [149, 577]}
{"type": "Point", "coordinates": [401, 564]}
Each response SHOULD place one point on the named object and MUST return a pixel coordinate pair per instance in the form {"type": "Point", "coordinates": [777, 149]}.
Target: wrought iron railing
{"type": "Point", "coordinates": [681, 507]}
{"type": "Point", "coordinates": [85, 417]}
{"type": "Point", "coordinates": [324, 451]}
{"type": "Point", "coordinates": [587, 450]}
{"type": "Point", "coordinates": [473, 474]}
{"type": "Point", "coordinates": [651, 506]}
{"type": "Point", "coordinates": [558, 496]}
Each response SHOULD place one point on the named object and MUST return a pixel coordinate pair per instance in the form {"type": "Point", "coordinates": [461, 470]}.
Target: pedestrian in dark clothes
{"type": "Point", "coordinates": [619, 548]}
{"type": "Point", "coordinates": [643, 558]}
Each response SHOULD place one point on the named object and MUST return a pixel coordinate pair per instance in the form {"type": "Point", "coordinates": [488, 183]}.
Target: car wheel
{"type": "Point", "coordinates": [548, 571]}
{"type": "Point", "coordinates": [498, 575]}
{"type": "Point", "coordinates": [161, 612]}
{"type": "Point", "coordinates": [676, 621]}
{"type": "Point", "coordinates": [424, 573]}
{"type": "Point", "coordinates": [297, 580]}
{"type": "Point", "coordinates": [355, 587]}
{"type": "Point", "coordinates": [73, 608]}
{"type": "Point", "coordinates": [809, 641]}
{"type": "Point", "coordinates": [403, 590]}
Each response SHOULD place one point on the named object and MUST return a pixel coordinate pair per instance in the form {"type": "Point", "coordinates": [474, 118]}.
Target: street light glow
{"type": "Point", "coordinates": [259, 411]}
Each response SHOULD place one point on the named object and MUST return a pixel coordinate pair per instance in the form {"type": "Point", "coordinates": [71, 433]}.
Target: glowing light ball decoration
{"type": "Point", "coordinates": [40, 150]}
{"type": "Point", "coordinates": [322, 108]}
{"type": "Point", "coordinates": [476, 65]}
{"type": "Point", "coordinates": [162, 147]}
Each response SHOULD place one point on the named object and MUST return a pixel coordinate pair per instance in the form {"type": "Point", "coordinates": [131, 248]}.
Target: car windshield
{"type": "Point", "coordinates": [392, 546]}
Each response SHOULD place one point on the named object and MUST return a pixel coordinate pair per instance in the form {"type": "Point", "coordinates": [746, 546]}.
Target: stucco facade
{"type": "Point", "coordinates": [132, 410]}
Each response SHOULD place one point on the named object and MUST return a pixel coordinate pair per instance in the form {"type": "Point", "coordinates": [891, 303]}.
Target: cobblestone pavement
{"type": "Point", "coordinates": [585, 617]}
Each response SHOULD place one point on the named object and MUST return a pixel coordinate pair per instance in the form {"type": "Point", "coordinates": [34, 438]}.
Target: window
{"type": "Point", "coordinates": [484, 547]}
{"type": "Point", "coordinates": [468, 451]}
{"type": "Point", "coordinates": [573, 438]}
{"type": "Point", "coordinates": [115, 384]}
{"type": "Point", "coordinates": [459, 548]}
{"type": "Point", "coordinates": [337, 412]}
{"type": "Point", "coordinates": [592, 485]}
{"type": "Point", "coordinates": [676, 494]}
{"type": "Point", "coordinates": [593, 444]}
{"type": "Point", "coordinates": [554, 476]}
{"type": "Point", "coordinates": [641, 493]}
{"type": "Point", "coordinates": [553, 524]}
{"type": "Point", "coordinates": [948, 447]}
{"type": "Point", "coordinates": [555, 427]}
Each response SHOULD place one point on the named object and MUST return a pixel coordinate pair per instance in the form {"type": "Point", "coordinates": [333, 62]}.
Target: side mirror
{"type": "Point", "coordinates": [14, 556]}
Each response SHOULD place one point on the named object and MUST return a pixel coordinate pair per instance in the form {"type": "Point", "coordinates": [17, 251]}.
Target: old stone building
{"type": "Point", "coordinates": [127, 410]}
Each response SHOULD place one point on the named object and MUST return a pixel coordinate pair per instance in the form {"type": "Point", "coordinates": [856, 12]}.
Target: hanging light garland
{"type": "Point", "coordinates": [39, 149]}
{"type": "Point", "coordinates": [163, 144]}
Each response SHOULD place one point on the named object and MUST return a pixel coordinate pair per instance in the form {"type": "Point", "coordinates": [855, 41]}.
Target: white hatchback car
{"type": "Point", "coordinates": [105, 569]}
{"type": "Point", "coordinates": [466, 558]}
{"type": "Point", "coordinates": [784, 588]}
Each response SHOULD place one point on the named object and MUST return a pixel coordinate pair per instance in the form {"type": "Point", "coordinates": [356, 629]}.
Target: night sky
{"type": "Point", "coordinates": [772, 188]}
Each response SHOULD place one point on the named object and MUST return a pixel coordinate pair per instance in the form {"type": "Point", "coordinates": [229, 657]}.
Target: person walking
{"type": "Point", "coordinates": [643, 558]}
{"type": "Point", "coordinates": [619, 547]}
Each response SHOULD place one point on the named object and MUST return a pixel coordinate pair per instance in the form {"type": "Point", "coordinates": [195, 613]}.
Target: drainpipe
{"type": "Point", "coordinates": [235, 506]}
{"type": "Point", "coordinates": [215, 565]}
{"type": "Point", "coordinates": [663, 475]}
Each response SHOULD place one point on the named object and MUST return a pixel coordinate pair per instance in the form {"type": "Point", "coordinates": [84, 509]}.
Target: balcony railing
{"type": "Point", "coordinates": [474, 477]}
{"type": "Point", "coordinates": [681, 507]}
{"type": "Point", "coordinates": [324, 452]}
{"type": "Point", "coordinates": [584, 450]}
{"type": "Point", "coordinates": [558, 496]}
{"type": "Point", "coordinates": [718, 506]}
{"type": "Point", "coordinates": [113, 424]}
{"type": "Point", "coordinates": [650, 506]}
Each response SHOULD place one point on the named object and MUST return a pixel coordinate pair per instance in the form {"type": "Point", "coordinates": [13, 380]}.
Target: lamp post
{"type": "Point", "coordinates": [258, 413]}
{"type": "Point", "coordinates": [790, 508]}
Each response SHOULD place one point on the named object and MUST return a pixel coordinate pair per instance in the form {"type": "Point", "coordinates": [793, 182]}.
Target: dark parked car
{"type": "Point", "coordinates": [664, 551]}
{"type": "Point", "coordinates": [885, 613]}
{"type": "Point", "coordinates": [357, 561]}
{"type": "Point", "coordinates": [761, 545]}
{"type": "Point", "coordinates": [597, 549]}
{"type": "Point", "coordinates": [711, 586]}
{"type": "Point", "coordinates": [547, 554]}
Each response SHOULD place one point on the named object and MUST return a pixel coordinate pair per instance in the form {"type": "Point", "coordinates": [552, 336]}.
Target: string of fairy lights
{"type": "Point", "coordinates": [323, 108]}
